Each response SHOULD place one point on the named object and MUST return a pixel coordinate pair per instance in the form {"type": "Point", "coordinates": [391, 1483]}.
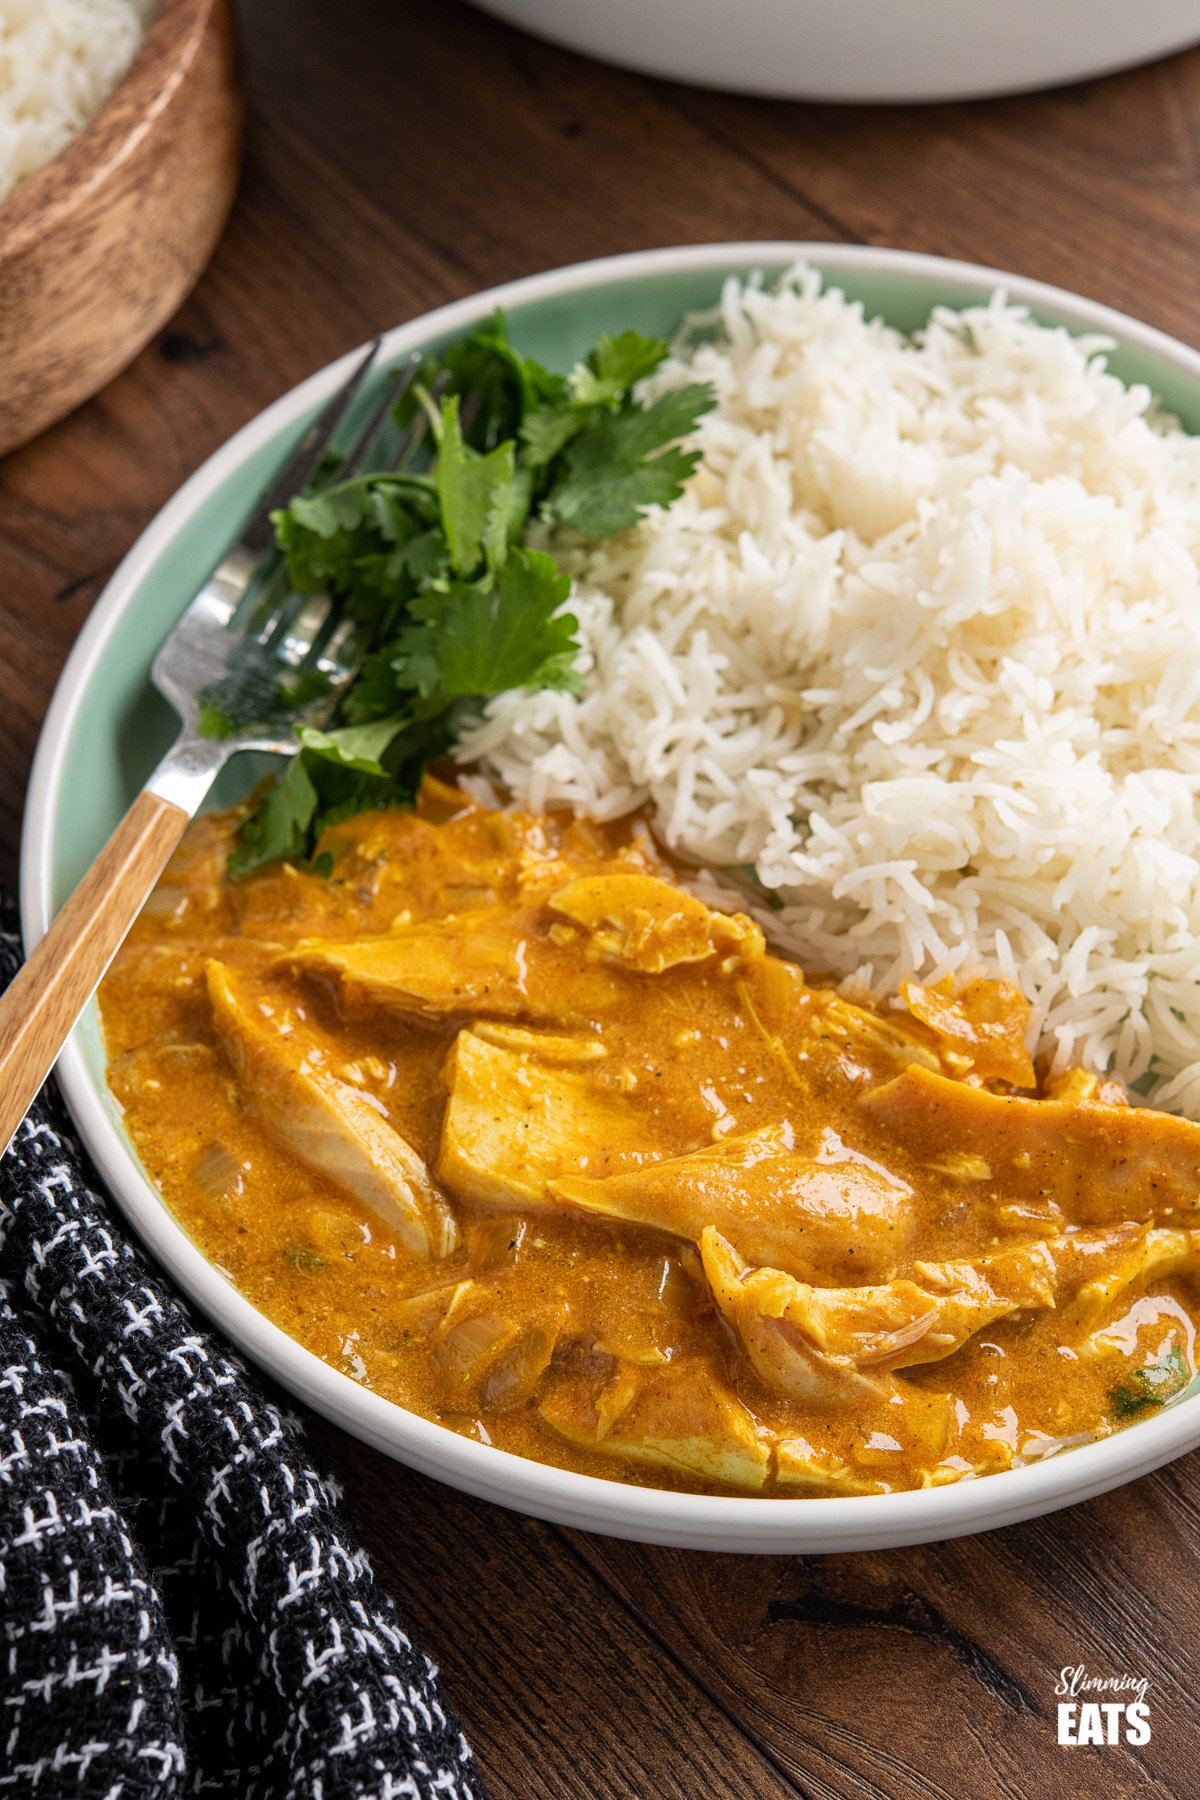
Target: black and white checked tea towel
{"type": "Point", "coordinates": [184, 1608]}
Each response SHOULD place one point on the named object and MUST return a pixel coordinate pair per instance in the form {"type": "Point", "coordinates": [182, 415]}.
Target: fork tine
{"type": "Point", "coordinates": [303, 630]}
{"type": "Point", "coordinates": [333, 649]}
{"type": "Point", "coordinates": [358, 457]}
{"type": "Point", "coordinates": [277, 617]}
{"type": "Point", "coordinates": [302, 465]}
{"type": "Point", "coordinates": [274, 610]}
{"type": "Point", "coordinates": [294, 645]}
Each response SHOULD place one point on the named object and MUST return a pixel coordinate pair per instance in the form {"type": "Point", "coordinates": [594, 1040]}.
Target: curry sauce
{"type": "Point", "coordinates": [492, 1112]}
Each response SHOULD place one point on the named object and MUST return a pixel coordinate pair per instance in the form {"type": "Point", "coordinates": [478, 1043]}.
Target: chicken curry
{"type": "Point", "coordinates": [496, 1115]}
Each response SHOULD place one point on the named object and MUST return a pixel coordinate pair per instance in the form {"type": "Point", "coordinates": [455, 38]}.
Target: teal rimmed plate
{"type": "Point", "coordinates": [106, 728]}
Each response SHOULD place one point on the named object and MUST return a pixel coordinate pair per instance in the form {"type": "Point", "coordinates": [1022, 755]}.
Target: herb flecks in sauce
{"type": "Point", "coordinates": [1152, 1386]}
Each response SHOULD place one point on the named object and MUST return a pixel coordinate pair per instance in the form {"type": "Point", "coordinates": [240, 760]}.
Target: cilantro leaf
{"type": "Point", "coordinates": [301, 1257]}
{"type": "Point", "coordinates": [353, 540]}
{"type": "Point", "coordinates": [615, 365]}
{"type": "Point", "coordinates": [376, 693]}
{"type": "Point", "coordinates": [602, 383]}
{"type": "Point", "coordinates": [475, 493]}
{"type": "Point", "coordinates": [1154, 1385]}
{"type": "Point", "coordinates": [620, 464]}
{"type": "Point", "coordinates": [356, 747]}
{"type": "Point", "coordinates": [534, 385]}
{"type": "Point", "coordinates": [449, 606]}
{"type": "Point", "coordinates": [483, 638]}
{"type": "Point", "coordinates": [331, 511]}
{"type": "Point", "coordinates": [279, 829]}
{"type": "Point", "coordinates": [548, 431]}
{"type": "Point", "coordinates": [503, 384]}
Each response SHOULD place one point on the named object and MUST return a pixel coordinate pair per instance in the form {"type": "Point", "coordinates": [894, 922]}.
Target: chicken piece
{"type": "Point", "coordinates": [984, 1023]}
{"type": "Point", "coordinates": [515, 1121]}
{"type": "Point", "coordinates": [436, 970]}
{"type": "Point", "coordinates": [875, 1045]}
{"type": "Point", "coordinates": [432, 860]}
{"type": "Point", "coordinates": [487, 963]}
{"type": "Point", "coordinates": [545, 1046]}
{"type": "Point", "coordinates": [775, 1000]}
{"type": "Point", "coordinates": [1147, 1257]}
{"type": "Point", "coordinates": [1088, 1271]}
{"type": "Point", "coordinates": [333, 1129]}
{"type": "Point", "coordinates": [841, 1219]}
{"type": "Point", "coordinates": [1022, 1279]}
{"type": "Point", "coordinates": [811, 1471]}
{"type": "Point", "coordinates": [834, 1344]}
{"type": "Point", "coordinates": [1099, 1163]}
{"type": "Point", "coordinates": [911, 1434]}
{"type": "Point", "coordinates": [1081, 1086]}
{"type": "Point", "coordinates": [649, 925]}
{"type": "Point", "coordinates": [683, 1417]}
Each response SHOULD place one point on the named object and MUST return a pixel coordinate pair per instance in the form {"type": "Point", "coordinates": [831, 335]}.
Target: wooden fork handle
{"type": "Point", "coordinates": [52, 989]}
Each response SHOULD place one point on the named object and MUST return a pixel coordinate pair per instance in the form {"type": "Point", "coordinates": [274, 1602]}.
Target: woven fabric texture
{"type": "Point", "coordinates": [184, 1608]}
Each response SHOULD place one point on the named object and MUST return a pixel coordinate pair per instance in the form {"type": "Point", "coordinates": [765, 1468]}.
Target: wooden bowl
{"type": "Point", "coordinates": [98, 248]}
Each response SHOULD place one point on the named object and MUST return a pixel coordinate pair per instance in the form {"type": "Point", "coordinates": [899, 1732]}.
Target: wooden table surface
{"type": "Point", "coordinates": [402, 154]}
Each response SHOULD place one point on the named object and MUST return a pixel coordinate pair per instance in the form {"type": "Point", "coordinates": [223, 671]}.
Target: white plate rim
{"type": "Point", "coordinates": [650, 1515]}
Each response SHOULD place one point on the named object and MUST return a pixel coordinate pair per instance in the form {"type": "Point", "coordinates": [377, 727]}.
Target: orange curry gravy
{"type": "Point", "coordinates": [494, 1116]}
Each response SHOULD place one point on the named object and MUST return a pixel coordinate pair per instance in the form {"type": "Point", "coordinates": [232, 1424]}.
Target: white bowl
{"type": "Point", "coordinates": [84, 763]}
{"type": "Point", "coordinates": [861, 50]}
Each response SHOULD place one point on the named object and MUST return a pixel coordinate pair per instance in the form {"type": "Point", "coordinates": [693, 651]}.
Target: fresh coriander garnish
{"type": "Point", "coordinates": [301, 1257]}
{"type": "Point", "coordinates": [451, 604]}
{"type": "Point", "coordinates": [1154, 1385]}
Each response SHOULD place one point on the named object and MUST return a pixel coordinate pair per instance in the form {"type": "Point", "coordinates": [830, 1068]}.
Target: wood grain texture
{"type": "Point", "coordinates": [564, 1692]}
{"type": "Point", "coordinates": [98, 248]}
{"type": "Point", "coordinates": [39, 1008]}
{"type": "Point", "coordinates": [401, 154]}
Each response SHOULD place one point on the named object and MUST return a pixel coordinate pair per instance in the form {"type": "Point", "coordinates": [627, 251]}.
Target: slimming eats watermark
{"type": "Point", "coordinates": [1102, 1709]}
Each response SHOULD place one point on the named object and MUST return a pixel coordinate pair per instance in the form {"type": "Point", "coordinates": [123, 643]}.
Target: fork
{"type": "Point", "coordinates": [247, 631]}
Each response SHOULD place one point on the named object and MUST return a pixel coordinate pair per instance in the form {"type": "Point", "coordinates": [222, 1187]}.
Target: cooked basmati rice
{"type": "Point", "coordinates": [919, 649]}
{"type": "Point", "coordinates": [59, 59]}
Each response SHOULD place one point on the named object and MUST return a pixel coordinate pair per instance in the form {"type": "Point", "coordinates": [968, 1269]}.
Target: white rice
{"type": "Point", "coordinates": [920, 646]}
{"type": "Point", "coordinates": [59, 59]}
